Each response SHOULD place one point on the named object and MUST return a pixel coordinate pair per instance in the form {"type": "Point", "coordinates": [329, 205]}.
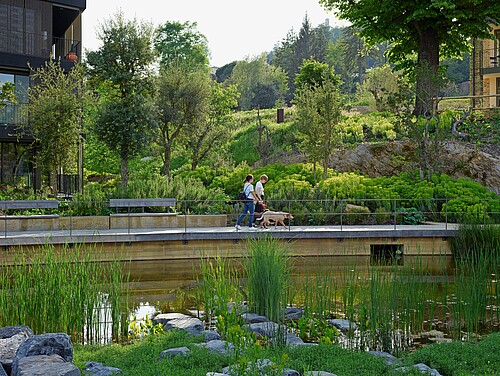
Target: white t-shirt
{"type": "Point", "coordinates": [248, 189]}
{"type": "Point", "coordinates": [259, 189]}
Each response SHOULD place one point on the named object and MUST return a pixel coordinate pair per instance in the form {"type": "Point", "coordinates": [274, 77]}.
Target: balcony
{"type": "Point", "coordinates": [39, 45]}
{"type": "Point", "coordinates": [490, 61]}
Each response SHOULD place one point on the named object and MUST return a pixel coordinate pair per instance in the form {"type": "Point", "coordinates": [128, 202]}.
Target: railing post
{"type": "Point", "coordinates": [289, 219]}
{"type": "Point", "coordinates": [446, 214]}
{"type": "Point", "coordinates": [394, 213]}
{"type": "Point", "coordinates": [341, 213]}
{"type": "Point", "coordinates": [185, 216]}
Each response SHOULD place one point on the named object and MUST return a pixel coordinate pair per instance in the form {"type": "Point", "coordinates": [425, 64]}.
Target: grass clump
{"type": "Point", "coordinates": [64, 290]}
{"type": "Point", "coordinates": [268, 270]}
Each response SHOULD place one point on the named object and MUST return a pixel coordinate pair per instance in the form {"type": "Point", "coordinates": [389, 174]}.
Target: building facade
{"type": "Point", "coordinates": [31, 31]}
{"type": "Point", "coordinates": [485, 71]}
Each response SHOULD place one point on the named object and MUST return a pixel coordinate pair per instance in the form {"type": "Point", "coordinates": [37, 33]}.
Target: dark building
{"type": "Point", "coordinates": [30, 32]}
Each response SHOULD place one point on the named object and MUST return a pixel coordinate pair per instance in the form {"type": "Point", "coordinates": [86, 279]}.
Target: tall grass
{"type": "Point", "coordinates": [219, 288]}
{"type": "Point", "coordinates": [267, 268]}
{"type": "Point", "coordinates": [476, 238]}
{"type": "Point", "coordinates": [63, 290]}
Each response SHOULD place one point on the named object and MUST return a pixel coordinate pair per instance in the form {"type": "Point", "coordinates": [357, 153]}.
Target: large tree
{"type": "Point", "coordinates": [55, 112]}
{"type": "Point", "coordinates": [255, 76]}
{"type": "Point", "coordinates": [212, 132]}
{"type": "Point", "coordinates": [319, 111]}
{"type": "Point", "coordinates": [122, 63]}
{"type": "Point", "coordinates": [180, 43]}
{"type": "Point", "coordinates": [182, 101]}
{"type": "Point", "coordinates": [431, 29]}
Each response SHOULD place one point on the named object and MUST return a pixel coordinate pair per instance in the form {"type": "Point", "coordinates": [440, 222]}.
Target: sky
{"type": "Point", "coordinates": [235, 29]}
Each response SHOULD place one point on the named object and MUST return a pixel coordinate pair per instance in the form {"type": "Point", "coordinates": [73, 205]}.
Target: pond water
{"type": "Point", "coordinates": [422, 290]}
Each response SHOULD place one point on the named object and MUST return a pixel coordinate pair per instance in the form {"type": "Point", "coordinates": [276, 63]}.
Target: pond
{"type": "Point", "coordinates": [395, 305]}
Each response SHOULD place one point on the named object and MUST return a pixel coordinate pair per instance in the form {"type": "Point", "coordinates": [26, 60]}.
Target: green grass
{"type": "Point", "coordinates": [142, 358]}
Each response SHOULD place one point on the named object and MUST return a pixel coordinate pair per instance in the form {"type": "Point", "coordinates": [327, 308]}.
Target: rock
{"type": "Point", "coordinates": [293, 340]}
{"type": "Point", "coordinates": [423, 368]}
{"type": "Point", "coordinates": [178, 351]}
{"type": "Point", "coordinates": [45, 365]}
{"type": "Point", "coordinates": [293, 313]}
{"type": "Point", "coordinates": [44, 344]}
{"type": "Point", "coordinates": [290, 372]}
{"type": "Point", "coordinates": [389, 359]}
{"type": "Point", "coordinates": [179, 321]}
{"type": "Point", "coordinates": [98, 369]}
{"type": "Point", "coordinates": [319, 373]}
{"type": "Point", "coordinates": [251, 318]}
{"type": "Point", "coordinates": [216, 374]}
{"type": "Point", "coordinates": [350, 208]}
{"type": "Point", "coordinates": [210, 335]}
{"type": "Point", "coordinates": [267, 329]}
{"type": "Point", "coordinates": [344, 325]}
{"type": "Point", "coordinates": [217, 345]}
{"type": "Point", "coordinates": [10, 331]}
{"type": "Point", "coordinates": [164, 318]}
{"type": "Point", "coordinates": [8, 349]}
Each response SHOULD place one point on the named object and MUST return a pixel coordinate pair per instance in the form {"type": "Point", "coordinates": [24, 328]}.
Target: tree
{"type": "Point", "coordinates": [181, 43]}
{"type": "Point", "coordinates": [55, 111]}
{"type": "Point", "coordinates": [7, 94]}
{"type": "Point", "coordinates": [430, 29]}
{"type": "Point", "coordinates": [385, 85]}
{"type": "Point", "coordinates": [251, 75]}
{"type": "Point", "coordinates": [212, 132]}
{"type": "Point", "coordinates": [319, 110]}
{"type": "Point", "coordinates": [182, 102]}
{"type": "Point", "coordinates": [126, 120]}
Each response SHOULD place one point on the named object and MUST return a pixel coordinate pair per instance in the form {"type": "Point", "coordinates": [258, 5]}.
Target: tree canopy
{"type": "Point", "coordinates": [55, 112]}
{"type": "Point", "coordinates": [431, 29]}
{"type": "Point", "coordinates": [181, 43]}
{"type": "Point", "coordinates": [126, 119]}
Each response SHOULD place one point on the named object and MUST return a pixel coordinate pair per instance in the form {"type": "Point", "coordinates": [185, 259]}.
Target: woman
{"type": "Point", "coordinates": [248, 206]}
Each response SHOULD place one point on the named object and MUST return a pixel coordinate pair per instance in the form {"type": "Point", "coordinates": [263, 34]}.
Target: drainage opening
{"type": "Point", "coordinates": [386, 254]}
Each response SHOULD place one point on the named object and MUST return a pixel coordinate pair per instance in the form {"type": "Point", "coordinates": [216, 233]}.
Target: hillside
{"type": "Point", "coordinates": [478, 158]}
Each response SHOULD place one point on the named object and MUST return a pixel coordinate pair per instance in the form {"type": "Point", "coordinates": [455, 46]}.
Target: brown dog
{"type": "Point", "coordinates": [276, 217]}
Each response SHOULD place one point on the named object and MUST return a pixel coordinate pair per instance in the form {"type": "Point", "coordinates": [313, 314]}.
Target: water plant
{"type": "Point", "coordinates": [64, 290]}
{"type": "Point", "coordinates": [267, 268]}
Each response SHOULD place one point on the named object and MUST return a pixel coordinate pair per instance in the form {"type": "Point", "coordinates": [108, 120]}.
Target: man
{"type": "Point", "coordinates": [259, 191]}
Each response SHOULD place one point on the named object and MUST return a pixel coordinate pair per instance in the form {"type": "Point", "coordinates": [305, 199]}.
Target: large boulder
{"type": "Point", "coordinates": [8, 349]}
{"type": "Point", "coordinates": [44, 344]}
{"type": "Point", "coordinates": [98, 369]}
{"type": "Point", "coordinates": [45, 365]}
{"type": "Point", "coordinates": [179, 321]}
{"type": "Point", "coordinates": [10, 331]}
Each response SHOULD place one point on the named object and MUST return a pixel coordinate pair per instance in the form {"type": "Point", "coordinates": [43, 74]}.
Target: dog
{"type": "Point", "coordinates": [276, 217]}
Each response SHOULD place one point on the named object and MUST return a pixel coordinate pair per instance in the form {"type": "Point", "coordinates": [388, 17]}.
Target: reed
{"type": "Point", "coordinates": [53, 290]}
{"type": "Point", "coordinates": [219, 289]}
{"type": "Point", "coordinates": [267, 268]}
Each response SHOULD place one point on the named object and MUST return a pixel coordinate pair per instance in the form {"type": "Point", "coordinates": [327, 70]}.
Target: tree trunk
{"type": "Point", "coordinates": [166, 159]}
{"type": "Point", "coordinates": [427, 69]}
{"type": "Point", "coordinates": [124, 172]}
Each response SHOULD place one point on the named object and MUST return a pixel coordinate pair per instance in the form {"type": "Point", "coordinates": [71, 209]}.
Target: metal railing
{"type": "Point", "coordinates": [342, 213]}
{"type": "Point", "coordinates": [40, 45]}
{"type": "Point", "coordinates": [490, 58]}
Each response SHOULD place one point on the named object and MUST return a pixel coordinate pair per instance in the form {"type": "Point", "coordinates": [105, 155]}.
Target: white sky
{"type": "Point", "coordinates": [234, 29]}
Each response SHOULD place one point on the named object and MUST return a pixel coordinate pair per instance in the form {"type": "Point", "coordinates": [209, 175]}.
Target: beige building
{"type": "Point", "coordinates": [485, 71]}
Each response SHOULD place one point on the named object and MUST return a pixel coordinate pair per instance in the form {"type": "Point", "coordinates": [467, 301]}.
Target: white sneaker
{"type": "Point", "coordinates": [238, 227]}
{"type": "Point", "coordinates": [252, 228]}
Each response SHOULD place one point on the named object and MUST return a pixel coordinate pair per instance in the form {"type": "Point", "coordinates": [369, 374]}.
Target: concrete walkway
{"type": "Point", "coordinates": [227, 233]}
